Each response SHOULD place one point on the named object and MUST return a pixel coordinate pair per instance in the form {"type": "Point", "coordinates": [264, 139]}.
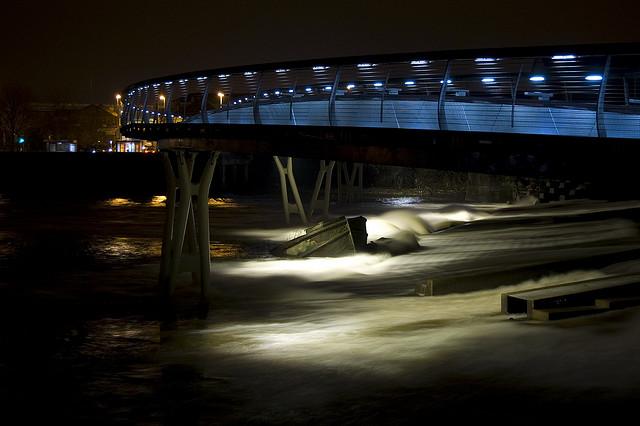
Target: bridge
{"type": "Point", "coordinates": [556, 111]}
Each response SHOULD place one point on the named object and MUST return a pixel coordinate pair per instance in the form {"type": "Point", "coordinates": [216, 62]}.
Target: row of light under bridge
{"type": "Point", "coordinates": [560, 93]}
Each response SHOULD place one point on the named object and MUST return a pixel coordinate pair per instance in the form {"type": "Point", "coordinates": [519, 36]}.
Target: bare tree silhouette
{"type": "Point", "coordinates": [14, 113]}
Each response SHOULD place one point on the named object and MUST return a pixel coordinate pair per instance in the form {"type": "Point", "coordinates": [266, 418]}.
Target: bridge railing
{"type": "Point", "coordinates": [561, 93]}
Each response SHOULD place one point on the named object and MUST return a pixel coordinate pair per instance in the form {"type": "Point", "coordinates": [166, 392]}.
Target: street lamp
{"type": "Point", "coordinates": [164, 103]}
{"type": "Point", "coordinates": [118, 103]}
{"type": "Point", "coordinates": [118, 112]}
{"type": "Point", "coordinates": [220, 95]}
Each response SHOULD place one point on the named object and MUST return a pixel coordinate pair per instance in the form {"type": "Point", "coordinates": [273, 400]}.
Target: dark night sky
{"type": "Point", "coordinates": [85, 52]}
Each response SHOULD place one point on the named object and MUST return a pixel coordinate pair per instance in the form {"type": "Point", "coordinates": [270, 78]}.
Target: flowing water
{"type": "Point", "coordinates": [318, 340]}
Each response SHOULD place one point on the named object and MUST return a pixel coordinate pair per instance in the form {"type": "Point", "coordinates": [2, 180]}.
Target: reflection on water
{"type": "Point", "coordinates": [222, 202]}
{"type": "Point", "coordinates": [125, 337]}
{"type": "Point", "coordinates": [285, 338]}
{"type": "Point", "coordinates": [220, 250]}
{"type": "Point", "coordinates": [120, 202]}
{"type": "Point", "coordinates": [126, 249]}
{"type": "Point", "coordinates": [117, 231]}
{"type": "Point", "coordinates": [157, 201]}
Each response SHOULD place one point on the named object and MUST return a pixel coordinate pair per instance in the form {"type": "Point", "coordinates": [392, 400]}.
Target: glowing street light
{"type": "Point", "coordinates": [164, 105]}
{"type": "Point", "coordinates": [220, 95]}
{"type": "Point", "coordinates": [119, 109]}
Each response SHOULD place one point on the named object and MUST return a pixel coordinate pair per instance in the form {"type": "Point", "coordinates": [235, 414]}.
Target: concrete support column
{"type": "Point", "coordinates": [185, 244]}
{"type": "Point", "coordinates": [286, 174]}
{"type": "Point", "coordinates": [324, 175]}
{"type": "Point", "coordinates": [349, 182]}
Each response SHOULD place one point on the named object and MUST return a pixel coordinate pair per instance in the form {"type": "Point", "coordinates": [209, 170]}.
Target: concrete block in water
{"type": "Point", "coordinates": [333, 238]}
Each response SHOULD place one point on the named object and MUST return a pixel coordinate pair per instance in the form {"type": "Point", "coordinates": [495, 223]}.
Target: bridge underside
{"type": "Point", "coordinates": [547, 156]}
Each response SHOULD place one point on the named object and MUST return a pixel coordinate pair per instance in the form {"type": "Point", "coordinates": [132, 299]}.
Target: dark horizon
{"type": "Point", "coordinates": [73, 52]}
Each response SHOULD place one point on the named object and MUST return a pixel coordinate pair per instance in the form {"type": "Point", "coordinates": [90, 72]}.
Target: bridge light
{"type": "Point", "coordinates": [409, 83]}
{"type": "Point", "coordinates": [485, 59]}
{"type": "Point", "coordinates": [350, 86]}
{"type": "Point", "coordinates": [281, 70]}
{"type": "Point", "coordinates": [378, 84]}
{"type": "Point", "coordinates": [536, 78]}
{"type": "Point", "coordinates": [488, 80]}
{"type": "Point", "coordinates": [277, 93]}
{"type": "Point", "coordinates": [320, 68]}
{"type": "Point", "coordinates": [593, 77]}
{"type": "Point", "coordinates": [563, 57]}
{"type": "Point", "coordinates": [420, 62]}
{"type": "Point", "coordinates": [366, 65]}
{"type": "Point", "coordinates": [290, 90]}
{"type": "Point", "coordinates": [265, 94]}
{"type": "Point", "coordinates": [448, 81]}
{"type": "Point", "coordinates": [308, 89]}
{"type": "Point", "coordinates": [327, 88]}
{"type": "Point", "coordinates": [223, 76]}
{"type": "Point", "coordinates": [249, 73]}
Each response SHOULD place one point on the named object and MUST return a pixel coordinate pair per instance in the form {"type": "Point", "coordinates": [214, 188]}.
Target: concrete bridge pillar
{"type": "Point", "coordinates": [286, 175]}
{"type": "Point", "coordinates": [288, 184]}
{"type": "Point", "coordinates": [325, 173]}
{"type": "Point", "coordinates": [185, 243]}
{"type": "Point", "coordinates": [349, 182]}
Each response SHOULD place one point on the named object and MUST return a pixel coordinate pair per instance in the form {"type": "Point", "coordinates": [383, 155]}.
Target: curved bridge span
{"type": "Point", "coordinates": [556, 111]}
{"type": "Point", "coordinates": [548, 103]}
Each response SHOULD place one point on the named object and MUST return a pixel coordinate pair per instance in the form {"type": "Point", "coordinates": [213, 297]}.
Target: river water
{"type": "Point", "coordinates": [340, 340]}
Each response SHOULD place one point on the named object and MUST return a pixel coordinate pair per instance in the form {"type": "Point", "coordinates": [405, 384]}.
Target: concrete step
{"type": "Point", "coordinates": [574, 294]}
{"type": "Point", "coordinates": [518, 266]}
{"type": "Point", "coordinates": [618, 303]}
{"type": "Point", "coordinates": [564, 313]}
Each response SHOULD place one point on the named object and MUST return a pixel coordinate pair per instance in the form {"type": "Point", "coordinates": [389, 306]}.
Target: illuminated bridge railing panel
{"type": "Point", "coordinates": [556, 94]}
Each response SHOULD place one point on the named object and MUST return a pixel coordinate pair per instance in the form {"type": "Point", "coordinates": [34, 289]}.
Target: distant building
{"type": "Point", "coordinates": [92, 127]}
{"type": "Point", "coordinates": [61, 146]}
{"type": "Point", "coordinates": [135, 145]}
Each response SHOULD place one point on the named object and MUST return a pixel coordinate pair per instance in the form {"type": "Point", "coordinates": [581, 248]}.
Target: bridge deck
{"type": "Point", "coordinates": [553, 110]}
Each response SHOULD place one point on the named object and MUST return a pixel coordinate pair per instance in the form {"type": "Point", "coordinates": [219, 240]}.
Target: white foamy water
{"type": "Point", "coordinates": [304, 331]}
